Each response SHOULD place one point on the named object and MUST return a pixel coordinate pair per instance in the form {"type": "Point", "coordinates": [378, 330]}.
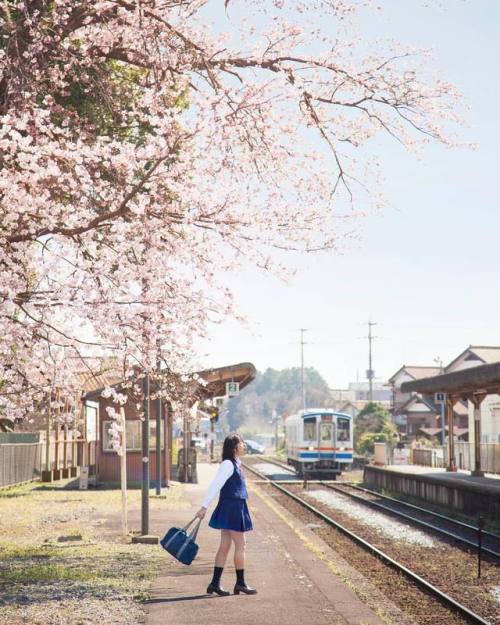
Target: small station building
{"type": "Point", "coordinates": [97, 423]}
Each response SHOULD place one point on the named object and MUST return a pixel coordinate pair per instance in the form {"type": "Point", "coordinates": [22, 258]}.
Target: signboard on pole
{"type": "Point", "coordinates": [440, 398]}
{"type": "Point", "coordinates": [232, 389]}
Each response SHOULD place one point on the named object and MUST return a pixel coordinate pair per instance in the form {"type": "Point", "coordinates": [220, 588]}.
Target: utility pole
{"type": "Point", "coordinates": [303, 390]}
{"type": "Point", "coordinates": [370, 374]}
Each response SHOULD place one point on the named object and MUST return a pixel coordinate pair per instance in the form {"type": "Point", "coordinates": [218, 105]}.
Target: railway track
{"type": "Point", "coordinates": [444, 598]}
{"type": "Point", "coordinates": [468, 535]}
{"type": "Point", "coordinates": [467, 542]}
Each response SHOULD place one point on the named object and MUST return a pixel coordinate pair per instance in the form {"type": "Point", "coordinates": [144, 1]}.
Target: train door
{"type": "Point", "coordinates": [326, 437]}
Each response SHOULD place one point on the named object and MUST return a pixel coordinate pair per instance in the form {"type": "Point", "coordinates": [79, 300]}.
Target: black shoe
{"type": "Point", "coordinates": [245, 589]}
{"type": "Point", "coordinates": [218, 590]}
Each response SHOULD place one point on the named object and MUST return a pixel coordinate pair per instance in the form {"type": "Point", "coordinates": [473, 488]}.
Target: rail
{"type": "Point", "coordinates": [448, 601]}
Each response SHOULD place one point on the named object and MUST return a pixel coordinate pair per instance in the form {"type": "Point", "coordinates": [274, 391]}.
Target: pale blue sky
{"type": "Point", "coordinates": [426, 269]}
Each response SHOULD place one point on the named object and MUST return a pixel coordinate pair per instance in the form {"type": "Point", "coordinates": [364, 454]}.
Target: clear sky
{"type": "Point", "coordinates": [426, 269]}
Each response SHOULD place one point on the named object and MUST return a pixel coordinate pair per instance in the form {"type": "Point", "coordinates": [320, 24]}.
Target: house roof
{"type": "Point", "coordinates": [417, 372]}
{"type": "Point", "coordinates": [487, 353]}
{"type": "Point", "coordinates": [430, 431]}
{"type": "Point", "coordinates": [416, 399]}
{"type": "Point", "coordinates": [91, 382]}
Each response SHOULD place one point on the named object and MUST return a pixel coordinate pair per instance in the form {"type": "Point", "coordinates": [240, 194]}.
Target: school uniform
{"type": "Point", "coordinates": [231, 512]}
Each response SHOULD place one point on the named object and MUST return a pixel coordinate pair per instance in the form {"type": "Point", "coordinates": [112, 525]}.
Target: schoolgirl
{"type": "Point", "coordinates": [231, 515]}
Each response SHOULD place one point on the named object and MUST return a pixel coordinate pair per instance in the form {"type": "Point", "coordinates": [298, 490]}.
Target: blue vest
{"type": "Point", "coordinates": [235, 487]}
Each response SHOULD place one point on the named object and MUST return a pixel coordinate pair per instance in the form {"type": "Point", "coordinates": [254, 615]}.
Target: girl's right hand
{"type": "Point", "coordinates": [201, 513]}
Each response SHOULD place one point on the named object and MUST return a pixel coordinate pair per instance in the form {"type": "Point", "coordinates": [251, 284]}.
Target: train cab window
{"type": "Point", "coordinates": [309, 428]}
{"type": "Point", "coordinates": [326, 432]}
{"type": "Point", "coordinates": [343, 429]}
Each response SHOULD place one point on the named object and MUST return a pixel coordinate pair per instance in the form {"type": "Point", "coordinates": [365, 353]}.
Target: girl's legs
{"type": "Point", "coordinates": [220, 560]}
{"type": "Point", "coordinates": [238, 539]}
{"type": "Point", "coordinates": [225, 545]}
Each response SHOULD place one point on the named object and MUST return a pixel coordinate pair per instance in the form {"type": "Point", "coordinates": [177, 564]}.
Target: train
{"type": "Point", "coordinates": [319, 442]}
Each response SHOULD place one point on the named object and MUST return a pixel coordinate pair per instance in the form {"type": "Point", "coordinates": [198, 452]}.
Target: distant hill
{"type": "Point", "coordinates": [278, 390]}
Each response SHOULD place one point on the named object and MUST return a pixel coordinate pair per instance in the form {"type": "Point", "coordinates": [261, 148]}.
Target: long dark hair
{"type": "Point", "coordinates": [230, 443]}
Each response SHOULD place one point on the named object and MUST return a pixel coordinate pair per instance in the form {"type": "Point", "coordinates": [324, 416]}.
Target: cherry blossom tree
{"type": "Point", "coordinates": [143, 151]}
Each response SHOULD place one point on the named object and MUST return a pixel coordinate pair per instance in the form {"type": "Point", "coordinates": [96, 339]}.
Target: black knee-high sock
{"type": "Point", "coordinates": [240, 577]}
{"type": "Point", "coordinates": [217, 575]}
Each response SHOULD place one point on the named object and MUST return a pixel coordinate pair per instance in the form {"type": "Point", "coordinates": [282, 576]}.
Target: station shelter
{"type": "Point", "coordinates": [472, 384]}
{"type": "Point", "coordinates": [204, 386]}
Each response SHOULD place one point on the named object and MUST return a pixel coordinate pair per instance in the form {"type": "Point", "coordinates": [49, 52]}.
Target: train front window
{"type": "Point", "coordinates": [343, 429]}
{"type": "Point", "coordinates": [309, 428]}
{"type": "Point", "coordinates": [326, 432]}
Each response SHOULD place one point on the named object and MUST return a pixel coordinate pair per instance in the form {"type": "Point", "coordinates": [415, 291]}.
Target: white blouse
{"type": "Point", "coordinates": [224, 472]}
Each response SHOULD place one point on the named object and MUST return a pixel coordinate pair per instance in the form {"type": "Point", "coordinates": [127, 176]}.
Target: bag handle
{"type": "Point", "coordinates": [191, 538]}
{"type": "Point", "coordinates": [186, 527]}
{"type": "Point", "coordinates": [194, 532]}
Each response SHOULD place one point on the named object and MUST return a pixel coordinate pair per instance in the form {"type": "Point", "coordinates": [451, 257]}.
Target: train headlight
{"type": "Point", "coordinates": [311, 448]}
{"type": "Point", "coordinates": [342, 449]}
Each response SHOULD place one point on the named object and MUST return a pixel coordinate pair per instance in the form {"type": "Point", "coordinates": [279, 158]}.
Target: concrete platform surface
{"type": "Point", "coordinates": [293, 570]}
{"type": "Point", "coordinates": [490, 481]}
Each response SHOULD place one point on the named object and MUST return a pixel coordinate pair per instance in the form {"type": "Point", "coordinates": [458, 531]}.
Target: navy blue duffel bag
{"type": "Point", "coordinates": [180, 544]}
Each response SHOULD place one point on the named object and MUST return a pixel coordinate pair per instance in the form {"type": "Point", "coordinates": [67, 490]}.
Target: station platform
{"type": "Point", "coordinates": [298, 576]}
{"type": "Point", "coordinates": [459, 491]}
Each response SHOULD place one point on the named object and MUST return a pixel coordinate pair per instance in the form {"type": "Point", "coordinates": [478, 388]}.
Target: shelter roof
{"type": "Point", "coordinates": [216, 379]}
{"type": "Point", "coordinates": [463, 383]}
{"type": "Point", "coordinates": [212, 383]}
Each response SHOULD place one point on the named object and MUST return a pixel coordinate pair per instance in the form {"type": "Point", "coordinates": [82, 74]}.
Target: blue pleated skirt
{"type": "Point", "coordinates": [231, 514]}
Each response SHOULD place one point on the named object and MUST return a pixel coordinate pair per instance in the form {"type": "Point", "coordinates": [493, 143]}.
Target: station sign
{"type": "Point", "coordinates": [440, 398]}
{"type": "Point", "coordinates": [232, 389]}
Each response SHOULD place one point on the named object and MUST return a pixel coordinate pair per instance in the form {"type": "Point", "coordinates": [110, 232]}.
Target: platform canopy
{"type": "Point", "coordinates": [205, 384]}
{"type": "Point", "coordinates": [481, 380]}
{"type": "Point", "coordinates": [216, 379]}
{"type": "Point", "coordinates": [471, 384]}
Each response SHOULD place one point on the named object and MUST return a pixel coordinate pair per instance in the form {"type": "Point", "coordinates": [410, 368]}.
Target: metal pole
{"type": "Point", "coordinates": [212, 442]}
{"type": "Point", "coordinates": [480, 527]}
{"type": "Point", "coordinates": [123, 472]}
{"type": "Point", "coordinates": [145, 458]}
{"type": "Point", "coordinates": [185, 444]}
{"type": "Point", "coordinates": [303, 390]}
{"type": "Point", "coordinates": [158, 422]}
{"type": "Point", "coordinates": [47, 446]}
{"type": "Point", "coordinates": [442, 424]}
{"type": "Point", "coordinates": [451, 442]}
